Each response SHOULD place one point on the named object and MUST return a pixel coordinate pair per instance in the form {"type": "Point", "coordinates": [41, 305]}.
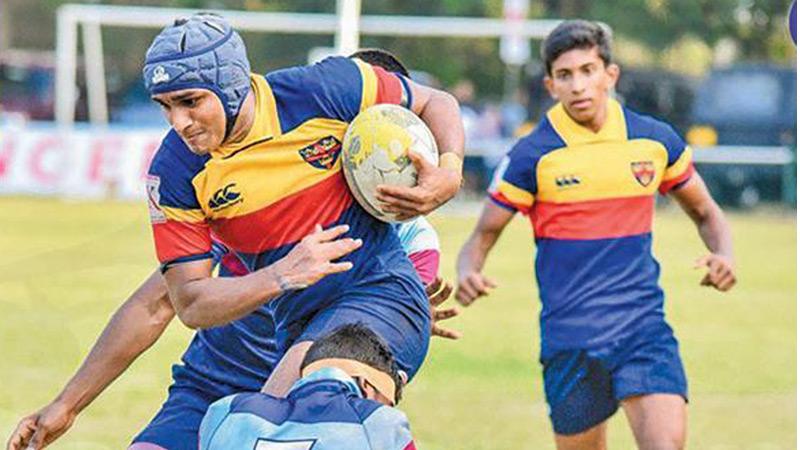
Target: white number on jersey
{"type": "Point", "coordinates": [265, 444]}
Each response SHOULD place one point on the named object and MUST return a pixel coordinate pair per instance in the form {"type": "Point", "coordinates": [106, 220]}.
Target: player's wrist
{"type": "Point", "coordinates": [68, 403]}
{"type": "Point", "coordinates": [451, 161]}
{"type": "Point", "coordinates": [281, 281]}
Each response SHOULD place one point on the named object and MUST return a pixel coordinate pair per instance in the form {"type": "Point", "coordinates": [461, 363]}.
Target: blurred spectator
{"type": "Point", "coordinates": [136, 108]}
{"type": "Point", "coordinates": [464, 92]}
{"type": "Point", "coordinates": [27, 81]}
{"type": "Point", "coordinates": [425, 79]}
{"type": "Point", "coordinates": [514, 113]}
{"type": "Point", "coordinates": [27, 85]}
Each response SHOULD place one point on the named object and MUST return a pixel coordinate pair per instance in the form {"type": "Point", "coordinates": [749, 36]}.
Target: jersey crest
{"type": "Point", "coordinates": [644, 172]}
{"type": "Point", "coordinates": [323, 153]}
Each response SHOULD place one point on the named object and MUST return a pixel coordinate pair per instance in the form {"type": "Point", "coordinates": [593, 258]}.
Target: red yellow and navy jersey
{"type": "Point", "coordinates": [262, 195]}
{"type": "Point", "coordinates": [590, 198]}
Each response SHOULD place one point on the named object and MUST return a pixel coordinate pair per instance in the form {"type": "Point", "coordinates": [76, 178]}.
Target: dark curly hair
{"type": "Point", "coordinates": [381, 58]}
{"type": "Point", "coordinates": [359, 343]}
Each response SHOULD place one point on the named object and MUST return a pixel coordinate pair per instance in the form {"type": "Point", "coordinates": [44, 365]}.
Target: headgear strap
{"type": "Point", "coordinates": [381, 381]}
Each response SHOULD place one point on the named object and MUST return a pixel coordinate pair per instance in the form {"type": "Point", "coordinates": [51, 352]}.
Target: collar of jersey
{"type": "Point", "coordinates": [572, 133]}
{"type": "Point", "coordinates": [266, 124]}
{"type": "Point", "coordinates": [328, 374]}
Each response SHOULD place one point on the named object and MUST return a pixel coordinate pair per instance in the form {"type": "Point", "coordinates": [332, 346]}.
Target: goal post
{"type": "Point", "coordinates": [346, 26]}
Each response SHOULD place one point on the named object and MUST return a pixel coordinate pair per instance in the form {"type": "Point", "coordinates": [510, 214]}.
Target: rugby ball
{"type": "Point", "coordinates": [375, 152]}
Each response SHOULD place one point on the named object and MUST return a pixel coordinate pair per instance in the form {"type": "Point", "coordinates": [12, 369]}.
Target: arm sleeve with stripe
{"type": "Point", "coordinates": [514, 183]}
{"type": "Point", "coordinates": [679, 160]}
{"type": "Point", "coordinates": [180, 231]}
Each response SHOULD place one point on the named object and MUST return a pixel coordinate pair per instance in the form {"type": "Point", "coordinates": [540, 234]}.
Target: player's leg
{"type": "Point", "coordinates": [658, 420]}
{"type": "Point", "coordinates": [592, 439]}
{"type": "Point", "coordinates": [176, 424]}
{"type": "Point", "coordinates": [580, 396]}
{"type": "Point", "coordinates": [650, 383]}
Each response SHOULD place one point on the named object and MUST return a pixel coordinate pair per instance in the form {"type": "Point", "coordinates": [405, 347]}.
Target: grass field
{"type": "Point", "coordinates": [68, 265]}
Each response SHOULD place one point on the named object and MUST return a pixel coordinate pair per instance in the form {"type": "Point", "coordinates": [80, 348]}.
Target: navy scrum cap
{"type": "Point", "coordinates": [200, 52]}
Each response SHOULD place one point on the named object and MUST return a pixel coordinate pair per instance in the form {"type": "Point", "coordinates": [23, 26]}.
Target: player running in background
{"type": "Point", "coordinates": [344, 400]}
{"type": "Point", "coordinates": [587, 177]}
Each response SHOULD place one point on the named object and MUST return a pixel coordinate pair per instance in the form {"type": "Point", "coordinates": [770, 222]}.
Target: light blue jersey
{"type": "Point", "coordinates": [417, 235]}
{"type": "Point", "coordinates": [324, 410]}
{"type": "Point", "coordinates": [421, 244]}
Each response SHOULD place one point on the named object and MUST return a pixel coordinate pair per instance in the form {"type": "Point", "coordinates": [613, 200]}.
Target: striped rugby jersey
{"type": "Point", "coordinates": [259, 197]}
{"type": "Point", "coordinates": [590, 198]}
{"type": "Point", "coordinates": [324, 410]}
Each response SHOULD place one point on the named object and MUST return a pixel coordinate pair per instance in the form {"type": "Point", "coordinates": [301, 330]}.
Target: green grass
{"type": "Point", "coordinates": [67, 266]}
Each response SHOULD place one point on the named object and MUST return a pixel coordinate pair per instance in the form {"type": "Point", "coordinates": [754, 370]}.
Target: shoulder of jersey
{"type": "Point", "coordinates": [328, 89]}
{"type": "Point", "coordinates": [174, 166]}
{"type": "Point", "coordinates": [174, 157]}
{"type": "Point", "coordinates": [641, 126]}
{"type": "Point", "coordinates": [542, 140]}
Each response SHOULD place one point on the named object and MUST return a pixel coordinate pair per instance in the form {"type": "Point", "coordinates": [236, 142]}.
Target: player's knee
{"type": "Point", "coordinates": [665, 440]}
{"type": "Point", "coordinates": [593, 438]}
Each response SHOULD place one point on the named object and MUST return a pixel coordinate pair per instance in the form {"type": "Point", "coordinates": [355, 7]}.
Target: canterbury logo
{"type": "Point", "coordinates": [160, 75]}
{"type": "Point", "coordinates": [568, 180]}
{"type": "Point", "coordinates": [225, 197]}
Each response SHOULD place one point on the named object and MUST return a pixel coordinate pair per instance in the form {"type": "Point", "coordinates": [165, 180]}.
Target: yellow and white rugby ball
{"type": "Point", "coordinates": [375, 151]}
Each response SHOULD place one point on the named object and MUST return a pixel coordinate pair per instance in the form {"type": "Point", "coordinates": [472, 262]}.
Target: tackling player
{"type": "Point", "coordinates": [586, 177]}
{"type": "Point", "coordinates": [343, 401]}
{"type": "Point", "coordinates": [143, 317]}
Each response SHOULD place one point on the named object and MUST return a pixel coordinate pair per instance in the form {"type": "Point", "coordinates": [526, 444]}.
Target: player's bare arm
{"type": "Point", "coordinates": [436, 185]}
{"type": "Point", "coordinates": [473, 284]}
{"type": "Point", "coordinates": [714, 230]}
{"type": "Point", "coordinates": [202, 301]}
{"type": "Point", "coordinates": [133, 328]}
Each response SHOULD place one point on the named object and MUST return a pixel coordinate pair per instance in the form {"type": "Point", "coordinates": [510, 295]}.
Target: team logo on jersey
{"type": "Point", "coordinates": [225, 197]}
{"type": "Point", "coordinates": [567, 181]}
{"type": "Point", "coordinates": [644, 172]}
{"type": "Point", "coordinates": [323, 153]}
{"type": "Point", "coordinates": [157, 215]}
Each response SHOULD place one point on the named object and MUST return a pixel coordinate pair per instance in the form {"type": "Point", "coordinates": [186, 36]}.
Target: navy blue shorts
{"type": "Point", "coordinates": [584, 387]}
{"type": "Point", "coordinates": [176, 424]}
{"type": "Point", "coordinates": [394, 309]}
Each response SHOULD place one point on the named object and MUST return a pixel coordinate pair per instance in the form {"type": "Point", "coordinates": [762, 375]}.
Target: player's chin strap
{"type": "Point", "coordinates": [381, 381]}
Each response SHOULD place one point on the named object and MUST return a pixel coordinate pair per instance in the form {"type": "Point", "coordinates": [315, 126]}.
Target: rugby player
{"type": "Point", "coordinates": [344, 400]}
{"type": "Point", "coordinates": [587, 177]}
{"type": "Point", "coordinates": [265, 172]}
{"type": "Point", "coordinates": [143, 317]}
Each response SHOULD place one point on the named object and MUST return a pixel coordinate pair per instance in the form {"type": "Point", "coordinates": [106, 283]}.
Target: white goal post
{"type": "Point", "coordinates": [346, 25]}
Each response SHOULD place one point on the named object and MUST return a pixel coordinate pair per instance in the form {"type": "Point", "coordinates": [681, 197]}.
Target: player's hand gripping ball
{"type": "Point", "coordinates": [375, 151]}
